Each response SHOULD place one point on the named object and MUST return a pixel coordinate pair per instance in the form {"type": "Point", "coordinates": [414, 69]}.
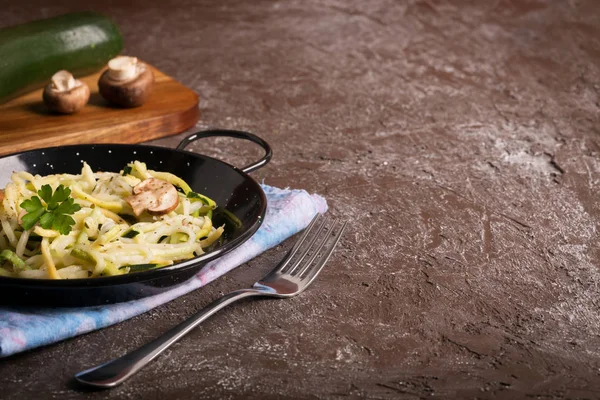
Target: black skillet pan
{"type": "Point", "coordinates": [234, 191]}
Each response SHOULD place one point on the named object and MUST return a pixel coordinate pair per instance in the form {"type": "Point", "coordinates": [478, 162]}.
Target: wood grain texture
{"type": "Point", "coordinates": [25, 122]}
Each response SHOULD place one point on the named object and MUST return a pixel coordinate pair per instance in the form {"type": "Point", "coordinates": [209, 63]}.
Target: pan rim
{"type": "Point", "coordinates": [84, 283]}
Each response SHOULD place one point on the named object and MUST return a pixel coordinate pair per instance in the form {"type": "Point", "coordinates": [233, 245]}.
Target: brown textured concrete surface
{"type": "Point", "coordinates": [460, 138]}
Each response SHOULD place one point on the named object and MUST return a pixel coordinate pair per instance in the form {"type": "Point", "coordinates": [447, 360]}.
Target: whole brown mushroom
{"type": "Point", "coordinates": [65, 94]}
{"type": "Point", "coordinates": [127, 82]}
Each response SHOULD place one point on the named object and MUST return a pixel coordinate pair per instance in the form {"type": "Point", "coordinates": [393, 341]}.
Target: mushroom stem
{"type": "Point", "coordinates": [63, 80]}
{"type": "Point", "coordinates": [123, 68]}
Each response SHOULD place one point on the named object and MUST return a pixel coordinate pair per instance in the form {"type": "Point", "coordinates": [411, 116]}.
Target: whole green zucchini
{"type": "Point", "coordinates": [31, 53]}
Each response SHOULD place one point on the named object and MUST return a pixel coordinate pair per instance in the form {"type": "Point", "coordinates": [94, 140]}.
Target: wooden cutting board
{"type": "Point", "coordinates": [26, 124]}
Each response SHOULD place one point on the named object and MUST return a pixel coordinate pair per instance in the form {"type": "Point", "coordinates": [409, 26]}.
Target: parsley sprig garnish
{"type": "Point", "coordinates": [57, 212]}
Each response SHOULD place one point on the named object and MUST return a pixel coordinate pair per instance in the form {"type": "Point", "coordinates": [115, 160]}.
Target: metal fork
{"type": "Point", "coordinates": [290, 277]}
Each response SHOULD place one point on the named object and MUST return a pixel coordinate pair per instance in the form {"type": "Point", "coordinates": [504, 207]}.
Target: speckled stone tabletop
{"type": "Point", "coordinates": [460, 138]}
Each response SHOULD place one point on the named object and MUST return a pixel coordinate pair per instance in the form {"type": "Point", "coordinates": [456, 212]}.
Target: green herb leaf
{"type": "Point", "coordinates": [47, 220]}
{"type": "Point", "coordinates": [31, 218]}
{"type": "Point", "coordinates": [68, 206]}
{"type": "Point", "coordinates": [32, 204]}
{"type": "Point", "coordinates": [45, 193]}
{"type": "Point", "coordinates": [127, 170]}
{"type": "Point", "coordinates": [56, 215]}
{"type": "Point", "coordinates": [60, 194]}
{"type": "Point", "coordinates": [63, 223]}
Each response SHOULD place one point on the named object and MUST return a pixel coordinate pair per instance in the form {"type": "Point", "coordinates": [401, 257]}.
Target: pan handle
{"type": "Point", "coordinates": [234, 134]}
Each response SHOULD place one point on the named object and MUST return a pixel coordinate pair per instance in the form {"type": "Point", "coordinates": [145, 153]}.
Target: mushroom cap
{"type": "Point", "coordinates": [68, 101]}
{"type": "Point", "coordinates": [156, 196]}
{"type": "Point", "coordinates": [130, 93]}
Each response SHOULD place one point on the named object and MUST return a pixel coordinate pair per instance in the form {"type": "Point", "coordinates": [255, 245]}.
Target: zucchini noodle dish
{"type": "Point", "coordinates": [96, 224]}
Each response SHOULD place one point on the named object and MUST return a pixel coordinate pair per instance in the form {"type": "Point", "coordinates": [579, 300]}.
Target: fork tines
{"type": "Point", "coordinates": [314, 248]}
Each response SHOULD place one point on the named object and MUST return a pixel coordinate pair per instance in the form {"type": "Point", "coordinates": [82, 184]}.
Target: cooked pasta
{"type": "Point", "coordinates": [100, 223]}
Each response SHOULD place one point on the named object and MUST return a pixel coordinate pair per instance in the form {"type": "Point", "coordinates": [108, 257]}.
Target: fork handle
{"type": "Point", "coordinates": [115, 372]}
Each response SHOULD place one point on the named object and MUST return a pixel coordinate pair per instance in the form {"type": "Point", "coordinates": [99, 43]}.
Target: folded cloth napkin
{"type": "Point", "coordinates": [23, 328]}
